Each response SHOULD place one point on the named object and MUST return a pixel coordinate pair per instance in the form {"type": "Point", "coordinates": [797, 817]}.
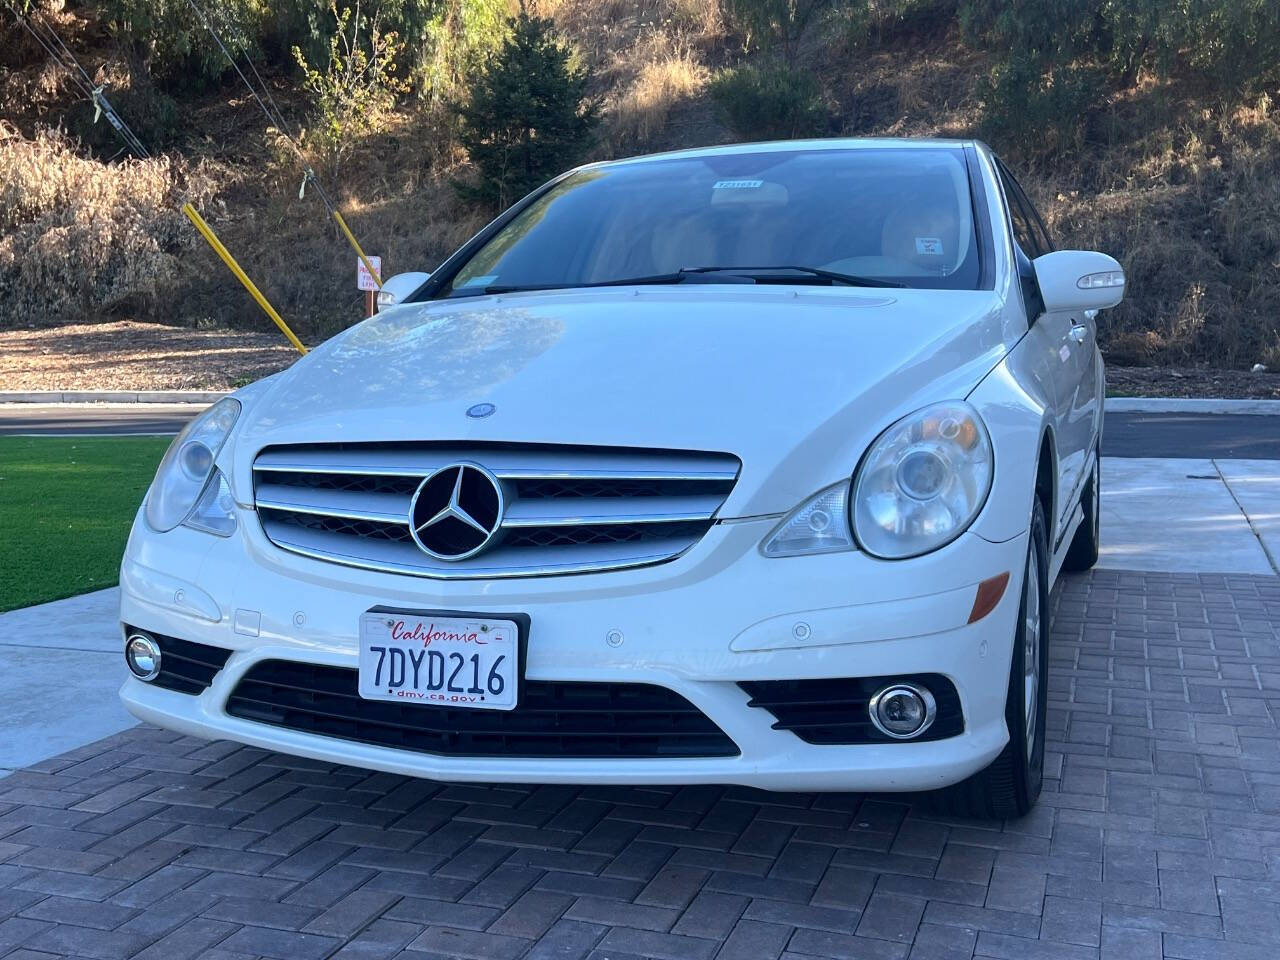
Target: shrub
{"type": "Point", "coordinates": [1057, 57]}
{"type": "Point", "coordinates": [773, 102]}
{"type": "Point", "coordinates": [170, 43]}
{"type": "Point", "coordinates": [868, 23]}
{"type": "Point", "coordinates": [1231, 44]}
{"type": "Point", "coordinates": [1036, 111]}
{"type": "Point", "coordinates": [527, 118]}
{"type": "Point", "coordinates": [79, 237]}
{"type": "Point", "coordinates": [452, 43]}
{"type": "Point", "coordinates": [773, 23]}
{"type": "Point", "coordinates": [357, 86]}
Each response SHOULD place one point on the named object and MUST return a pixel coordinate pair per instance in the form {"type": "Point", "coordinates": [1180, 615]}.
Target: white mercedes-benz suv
{"type": "Point", "coordinates": [750, 465]}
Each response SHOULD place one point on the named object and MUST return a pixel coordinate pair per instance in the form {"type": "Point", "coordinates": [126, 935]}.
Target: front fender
{"type": "Point", "coordinates": [1017, 418]}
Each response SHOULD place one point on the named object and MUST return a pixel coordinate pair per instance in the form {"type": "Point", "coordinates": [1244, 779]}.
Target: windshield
{"type": "Point", "coordinates": [896, 216]}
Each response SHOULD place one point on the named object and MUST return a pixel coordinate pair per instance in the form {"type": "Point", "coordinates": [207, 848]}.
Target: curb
{"type": "Point", "coordinates": [112, 396]}
{"type": "Point", "coordinates": [1193, 405]}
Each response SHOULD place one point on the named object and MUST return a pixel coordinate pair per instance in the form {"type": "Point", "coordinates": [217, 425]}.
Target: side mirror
{"type": "Point", "coordinates": [395, 289]}
{"type": "Point", "coordinates": [1072, 280]}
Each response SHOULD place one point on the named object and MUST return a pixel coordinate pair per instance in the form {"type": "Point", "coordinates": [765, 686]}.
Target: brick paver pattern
{"type": "Point", "coordinates": [1158, 835]}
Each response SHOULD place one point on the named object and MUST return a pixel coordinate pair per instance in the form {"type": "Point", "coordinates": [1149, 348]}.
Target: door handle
{"type": "Point", "coordinates": [1079, 332]}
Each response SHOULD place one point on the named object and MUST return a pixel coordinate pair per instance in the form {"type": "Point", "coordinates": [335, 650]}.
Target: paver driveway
{"type": "Point", "coordinates": [1158, 834]}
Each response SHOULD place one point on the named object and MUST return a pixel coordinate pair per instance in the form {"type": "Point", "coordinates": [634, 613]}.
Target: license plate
{"type": "Point", "coordinates": [439, 661]}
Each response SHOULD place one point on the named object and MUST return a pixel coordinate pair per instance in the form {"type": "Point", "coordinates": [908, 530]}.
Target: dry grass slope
{"type": "Point", "coordinates": [79, 237]}
{"type": "Point", "coordinates": [1184, 189]}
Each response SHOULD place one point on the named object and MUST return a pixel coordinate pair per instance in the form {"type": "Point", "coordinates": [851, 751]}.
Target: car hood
{"type": "Point", "coordinates": [794, 381]}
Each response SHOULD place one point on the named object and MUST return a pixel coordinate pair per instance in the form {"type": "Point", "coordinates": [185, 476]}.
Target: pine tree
{"type": "Point", "coordinates": [527, 117]}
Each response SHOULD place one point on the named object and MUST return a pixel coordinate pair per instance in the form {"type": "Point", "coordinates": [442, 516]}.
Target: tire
{"type": "Point", "coordinates": [1010, 786]}
{"type": "Point", "coordinates": [1083, 552]}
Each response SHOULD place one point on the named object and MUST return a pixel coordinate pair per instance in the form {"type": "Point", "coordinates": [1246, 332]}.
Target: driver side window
{"type": "Point", "coordinates": [1021, 217]}
{"type": "Point", "coordinates": [1021, 225]}
{"type": "Point", "coordinates": [1029, 243]}
{"type": "Point", "coordinates": [1028, 226]}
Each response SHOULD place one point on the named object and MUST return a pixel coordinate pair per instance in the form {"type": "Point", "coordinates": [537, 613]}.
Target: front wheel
{"type": "Point", "coordinates": [1010, 786]}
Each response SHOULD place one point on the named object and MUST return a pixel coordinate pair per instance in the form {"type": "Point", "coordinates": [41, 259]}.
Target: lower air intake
{"type": "Point", "coordinates": [553, 719]}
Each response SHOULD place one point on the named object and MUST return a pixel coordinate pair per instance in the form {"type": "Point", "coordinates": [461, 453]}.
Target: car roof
{"type": "Point", "coordinates": [790, 146]}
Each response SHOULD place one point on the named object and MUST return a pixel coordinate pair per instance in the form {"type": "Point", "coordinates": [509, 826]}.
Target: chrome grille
{"type": "Point", "coordinates": [568, 509]}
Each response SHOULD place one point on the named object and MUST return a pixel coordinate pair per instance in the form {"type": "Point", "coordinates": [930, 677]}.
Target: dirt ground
{"type": "Point", "coordinates": [1191, 382]}
{"type": "Point", "coordinates": [145, 356]}
{"type": "Point", "coordinates": [137, 356]}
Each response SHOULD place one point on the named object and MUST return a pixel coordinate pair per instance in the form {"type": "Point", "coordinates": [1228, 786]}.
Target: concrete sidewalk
{"type": "Point", "coordinates": [1191, 516]}
{"type": "Point", "coordinates": [62, 667]}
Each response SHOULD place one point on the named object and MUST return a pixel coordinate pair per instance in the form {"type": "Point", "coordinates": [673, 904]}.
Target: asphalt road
{"type": "Point", "coordinates": [95, 419]}
{"type": "Point", "coordinates": [1126, 434]}
{"type": "Point", "coordinates": [1204, 436]}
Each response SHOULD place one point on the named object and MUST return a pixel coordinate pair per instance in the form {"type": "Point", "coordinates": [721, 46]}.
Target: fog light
{"type": "Point", "coordinates": [902, 711]}
{"type": "Point", "coordinates": [142, 654]}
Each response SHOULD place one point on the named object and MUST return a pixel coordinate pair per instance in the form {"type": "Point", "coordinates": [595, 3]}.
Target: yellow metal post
{"type": "Point", "coordinates": [351, 238]}
{"type": "Point", "coordinates": [207, 232]}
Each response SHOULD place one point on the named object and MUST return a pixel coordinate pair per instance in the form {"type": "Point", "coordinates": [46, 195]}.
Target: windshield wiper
{"type": "Point", "coordinates": [688, 275]}
{"type": "Point", "coordinates": [768, 273]}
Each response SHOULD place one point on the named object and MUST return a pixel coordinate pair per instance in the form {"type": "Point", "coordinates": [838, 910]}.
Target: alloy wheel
{"type": "Point", "coordinates": [1031, 645]}
{"type": "Point", "coordinates": [1095, 499]}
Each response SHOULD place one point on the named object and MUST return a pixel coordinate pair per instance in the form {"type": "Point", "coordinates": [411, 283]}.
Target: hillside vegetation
{"type": "Point", "coordinates": [1145, 128]}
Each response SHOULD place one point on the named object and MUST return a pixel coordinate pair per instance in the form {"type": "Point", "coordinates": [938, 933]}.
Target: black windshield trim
{"type": "Point", "coordinates": [981, 220]}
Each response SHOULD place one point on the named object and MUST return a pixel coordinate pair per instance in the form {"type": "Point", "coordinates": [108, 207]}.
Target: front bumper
{"type": "Point", "coordinates": [720, 614]}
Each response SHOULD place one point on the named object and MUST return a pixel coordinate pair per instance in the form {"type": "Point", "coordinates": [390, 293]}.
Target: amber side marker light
{"type": "Point", "coordinates": [989, 593]}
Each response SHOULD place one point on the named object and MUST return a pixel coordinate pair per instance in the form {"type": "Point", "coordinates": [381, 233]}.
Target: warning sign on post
{"type": "Point", "coordinates": [364, 281]}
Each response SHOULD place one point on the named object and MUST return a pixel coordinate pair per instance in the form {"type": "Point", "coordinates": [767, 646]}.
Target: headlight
{"type": "Point", "coordinates": [922, 482]}
{"type": "Point", "coordinates": [188, 464]}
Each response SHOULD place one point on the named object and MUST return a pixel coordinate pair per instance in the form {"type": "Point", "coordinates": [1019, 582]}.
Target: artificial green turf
{"type": "Point", "coordinates": [66, 504]}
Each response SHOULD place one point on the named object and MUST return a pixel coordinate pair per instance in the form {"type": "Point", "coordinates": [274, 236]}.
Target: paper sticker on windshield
{"type": "Point", "coordinates": [479, 281]}
{"type": "Point", "coordinates": [931, 246]}
{"type": "Point", "coordinates": [737, 185]}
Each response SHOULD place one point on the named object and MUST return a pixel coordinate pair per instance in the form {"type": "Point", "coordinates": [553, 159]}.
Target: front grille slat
{"type": "Point", "coordinates": [603, 511]}
{"type": "Point", "coordinates": [325, 501]}
{"type": "Point", "coordinates": [835, 711]}
{"type": "Point", "coordinates": [506, 461]}
{"type": "Point", "coordinates": [568, 509]}
{"type": "Point", "coordinates": [552, 718]}
{"type": "Point", "coordinates": [403, 557]}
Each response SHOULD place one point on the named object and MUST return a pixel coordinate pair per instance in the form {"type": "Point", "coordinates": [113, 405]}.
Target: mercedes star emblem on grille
{"type": "Point", "coordinates": [456, 512]}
